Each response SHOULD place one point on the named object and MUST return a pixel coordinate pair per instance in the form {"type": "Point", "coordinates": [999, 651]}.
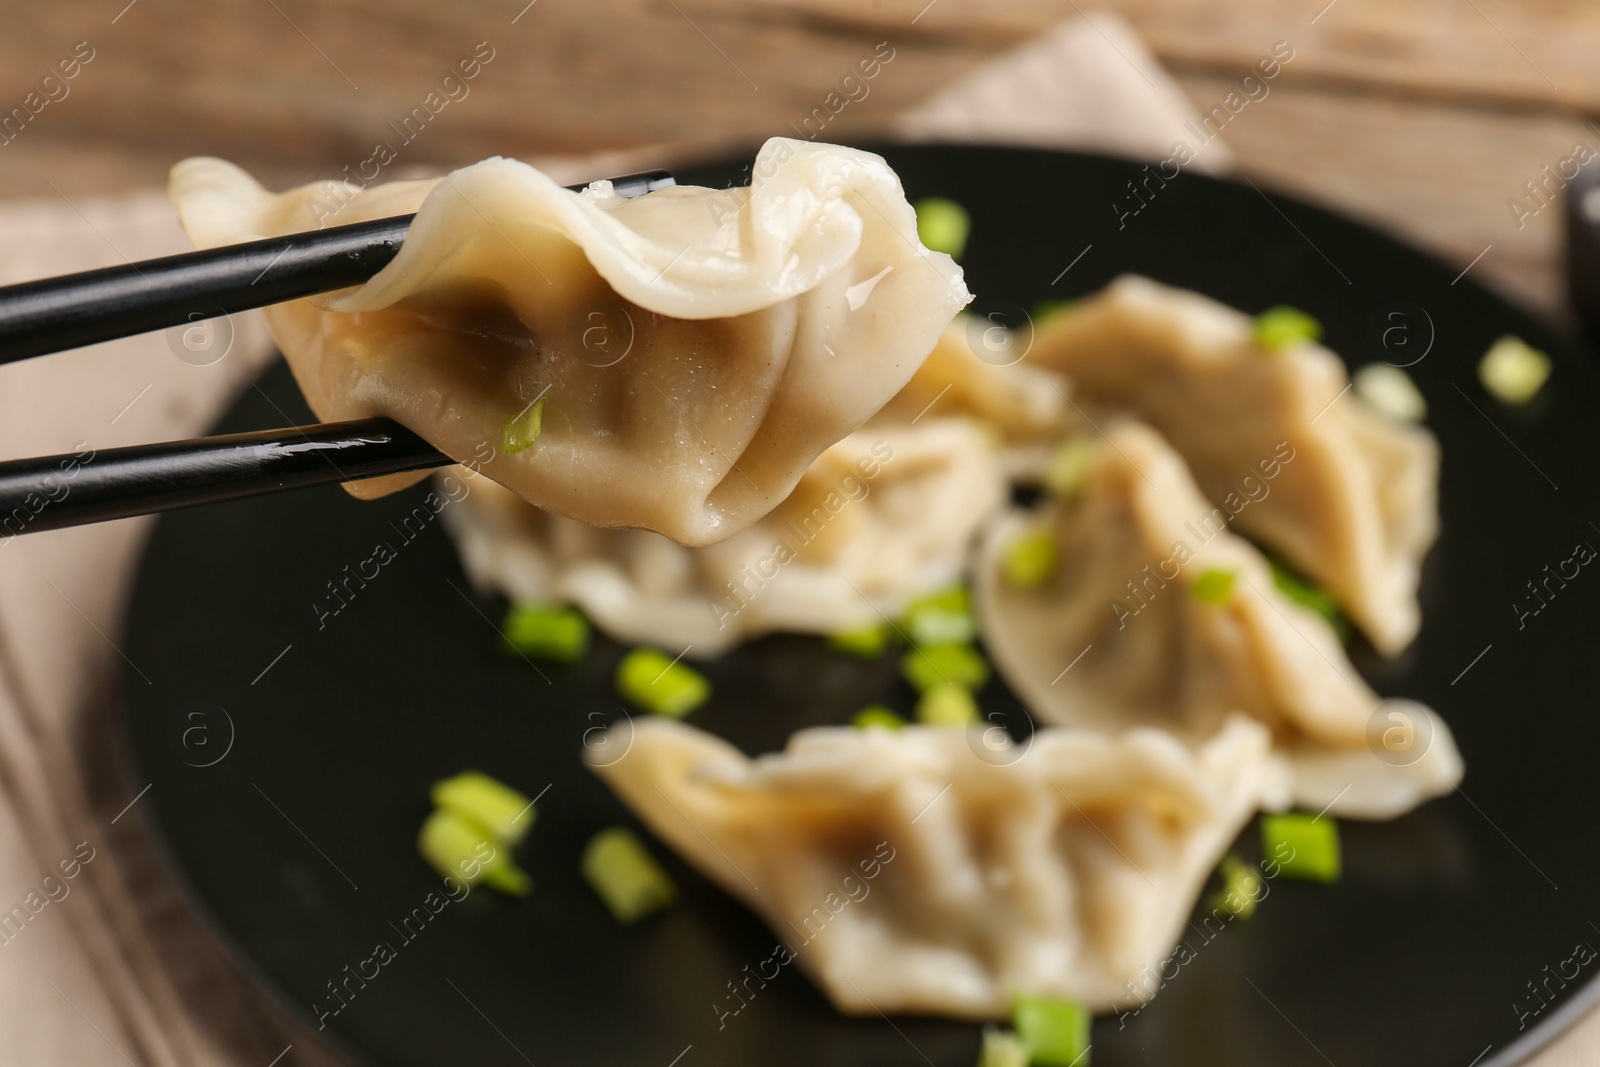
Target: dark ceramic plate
{"type": "Point", "coordinates": [292, 760]}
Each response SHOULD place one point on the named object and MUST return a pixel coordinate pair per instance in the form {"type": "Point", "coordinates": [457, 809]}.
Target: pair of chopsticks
{"type": "Point", "coordinates": [56, 314]}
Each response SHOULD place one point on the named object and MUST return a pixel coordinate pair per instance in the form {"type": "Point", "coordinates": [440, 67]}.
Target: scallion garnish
{"type": "Point", "coordinates": [1046, 310]}
{"type": "Point", "coordinates": [1284, 327]}
{"type": "Point", "coordinates": [943, 225]}
{"type": "Point", "coordinates": [549, 631]}
{"type": "Point", "coordinates": [624, 874]}
{"type": "Point", "coordinates": [1002, 1048]}
{"type": "Point", "coordinates": [947, 705]}
{"type": "Point", "coordinates": [1030, 559]}
{"type": "Point", "coordinates": [1056, 1032]}
{"type": "Point", "coordinates": [1305, 847]}
{"type": "Point", "coordinates": [935, 665]}
{"type": "Point", "coordinates": [943, 617]}
{"type": "Point", "coordinates": [867, 642]}
{"type": "Point", "coordinates": [656, 682]}
{"type": "Point", "coordinates": [1241, 888]}
{"type": "Point", "coordinates": [504, 812]}
{"type": "Point", "coordinates": [1307, 595]}
{"type": "Point", "coordinates": [1067, 469]}
{"type": "Point", "coordinates": [458, 847]}
{"type": "Point", "coordinates": [1513, 371]}
{"type": "Point", "coordinates": [522, 429]}
{"type": "Point", "coordinates": [1213, 587]}
{"type": "Point", "coordinates": [1390, 391]}
{"type": "Point", "coordinates": [878, 715]}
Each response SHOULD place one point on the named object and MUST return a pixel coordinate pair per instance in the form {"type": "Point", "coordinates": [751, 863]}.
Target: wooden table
{"type": "Point", "coordinates": [1425, 116]}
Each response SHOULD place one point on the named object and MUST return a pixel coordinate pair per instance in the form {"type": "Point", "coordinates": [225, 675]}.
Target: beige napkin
{"type": "Point", "coordinates": [109, 966]}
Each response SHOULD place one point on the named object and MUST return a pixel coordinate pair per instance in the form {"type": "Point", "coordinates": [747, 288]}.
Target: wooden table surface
{"type": "Point", "coordinates": [1426, 116]}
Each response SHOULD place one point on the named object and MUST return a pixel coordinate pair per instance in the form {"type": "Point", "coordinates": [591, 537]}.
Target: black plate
{"type": "Point", "coordinates": [1448, 936]}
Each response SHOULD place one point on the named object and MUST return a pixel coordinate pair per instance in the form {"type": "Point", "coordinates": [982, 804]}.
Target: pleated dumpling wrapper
{"type": "Point", "coordinates": [927, 870]}
{"type": "Point", "coordinates": [882, 516]}
{"type": "Point", "coordinates": [1352, 501]}
{"type": "Point", "coordinates": [673, 361]}
{"type": "Point", "coordinates": [1157, 615]}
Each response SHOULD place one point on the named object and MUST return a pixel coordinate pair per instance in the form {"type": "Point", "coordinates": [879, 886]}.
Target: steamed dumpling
{"type": "Point", "coordinates": [882, 516]}
{"type": "Point", "coordinates": [908, 874]}
{"type": "Point", "coordinates": [1026, 408]}
{"type": "Point", "coordinates": [693, 349]}
{"type": "Point", "coordinates": [1119, 638]}
{"type": "Point", "coordinates": [1351, 497]}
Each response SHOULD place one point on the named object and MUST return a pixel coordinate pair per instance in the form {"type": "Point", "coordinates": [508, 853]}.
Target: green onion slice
{"type": "Point", "coordinates": [504, 812]}
{"type": "Point", "coordinates": [1284, 327]}
{"type": "Point", "coordinates": [624, 874]}
{"type": "Point", "coordinates": [1031, 558]}
{"type": "Point", "coordinates": [1390, 391]}
{"type": "Point", "coordinates": [1513, 371]}
{"type": "Point", "coordinates": [943, 617]}
{"type": "Point", "coordinates": [943, 225]}
{"type": "Point", "coordinates": [1056, 1032]}
{"type": "Point", "coordinates": [934, 665]}
{"type": "Point", "coordinates": [868, 642]}
{"type": "Point", "coordinates": [1307, 595]}
{"type": "Point", "coordinates": [1002, 1048]}
{"type": "Point", "coordinates": [1067, 470]}
{"type": "Point", "coordinates": [522, 429]}
{"type": "Point", "coordinates": [877, 715]}
{"type": "Point", "coordinates": [947, 705]}
{"type": "Point", "coordinates": [549, 631]}
{"type": "Point", "coordinates": [1305, 847]}
{"type": "Point", "coordinates": [458, 847]}
{"type": "Point", "coordinates": [1213, 587]}
{"type": "Point", "coordinates": [654, 681]}
{"type": "Point", "coordinates": [1241, 888]}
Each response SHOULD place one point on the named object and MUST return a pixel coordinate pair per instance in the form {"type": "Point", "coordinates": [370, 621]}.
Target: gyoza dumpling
{"type": "Point", "coordinates": [907, 874]}
{"type": "Point", "coordinates": [693, 349]}
{"type": "Point", "coordinates": [1027, 408]}
{"type": "Point", "coordinates": [1120, 637]}
{"type": "Point", "coordinates": [882, 516]}
{"type": "Point", "coordinates": [1349, 498]}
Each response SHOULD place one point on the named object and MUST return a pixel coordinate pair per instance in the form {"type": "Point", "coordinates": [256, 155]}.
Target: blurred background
{"type": "Point", "coordinates": [1426, 116]}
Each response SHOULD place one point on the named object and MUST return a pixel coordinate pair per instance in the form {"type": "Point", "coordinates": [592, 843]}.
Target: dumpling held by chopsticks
{"type": "Point", "coordinates": [673, 362]}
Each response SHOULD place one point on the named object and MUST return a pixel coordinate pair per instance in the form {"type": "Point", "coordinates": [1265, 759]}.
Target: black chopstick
{"type": "Point", "coordinates": [74, 310]}
{"type": "Point", "coordinates": [52, 492]}
{"type": "Point", "coordinates": [36, 318]}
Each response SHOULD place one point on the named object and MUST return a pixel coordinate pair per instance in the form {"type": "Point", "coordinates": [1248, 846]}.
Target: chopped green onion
{"type": "Point", "coordinates": [1002, 1048]}
{"type": "Point", "coordinates": [1307, 595]}
{"type": "Point", "coordinates": [1067, 470]}
{"type": "Point", "coordinates": [1050, 310]}
{"type": "Point", "coordinates": [504, 812]}
{"type": "Point", "coordinates": [1391, 391]}
{"type": "Point", "coordinates": [1213, 587]}
{"type": "Point", "coordinates": [947, 705]}
{"type": "Point", "coordinates": [1284, 327]}
{"type": "Point", "coordinates": [1305, 847]}
{"type": "Point", "coordinates": [1513, 371]}
{"type": "Point", "coordinates": [458, 847]}
{"type": "Point", "coordinates": [1241, 888]}
{"type": "Point", "coordinates": [627, 878]}
{"type": "Point", "coordinates": [658, 683]}
{"type": "Point", "coordinates": [1030, 559]}
{"type": "Point", "coordinates": [522, 429]}
{"type": "Point", "coordinates": [868, 642]}
{"type": "Point", "coordinates": [934, 665]}
{"type": "Point", "coordinates": [943, 225]}
{"type": "Point", "coordinates": [1056, 1032]}
{"type": "Point", "coordinates": [878, 715]}
{"type": "Point", "coordinates": [550, 631]}
{"type": "Point", "coordinates": [943, 617]}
